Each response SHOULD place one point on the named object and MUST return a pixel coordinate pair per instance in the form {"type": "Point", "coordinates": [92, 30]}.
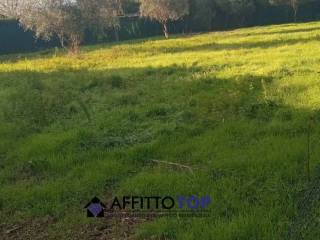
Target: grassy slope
{"type": "Point", "coordinates": [234, 105]}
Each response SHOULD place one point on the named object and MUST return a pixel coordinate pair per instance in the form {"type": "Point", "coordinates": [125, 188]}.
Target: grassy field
{"type": "Point", "coordinates": [241, 108]}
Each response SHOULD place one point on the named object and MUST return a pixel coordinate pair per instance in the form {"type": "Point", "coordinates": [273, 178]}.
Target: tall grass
{"type": "Point", "coordinates": [234, 106]}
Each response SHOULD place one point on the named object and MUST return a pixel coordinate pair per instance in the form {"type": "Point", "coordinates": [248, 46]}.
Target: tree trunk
{"type": "Point", "coordinates": [295, 14]}
{"type": "Point", "coordinates": [61, 38]}
{"type": "Point", "coordinates": [116, 34]}
{"type": "Point", "coordinates": [295, 8]}
{"type": "Point", "coordinates": [165, 30]}
{"type": "Point", "coordinates": [74, 44]}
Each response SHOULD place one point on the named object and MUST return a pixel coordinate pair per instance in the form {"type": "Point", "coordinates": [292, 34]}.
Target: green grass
{"type": "Point", "coordinates": [235, 106]}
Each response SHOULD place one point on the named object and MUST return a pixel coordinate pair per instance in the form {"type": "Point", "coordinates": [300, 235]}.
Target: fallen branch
{"type": "Point", "coordinates": [174, 164]}
{"type": "Point", "coordinates": [13, 230]}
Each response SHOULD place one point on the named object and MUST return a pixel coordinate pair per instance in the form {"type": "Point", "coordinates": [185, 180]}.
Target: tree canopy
{"type": "Point", "coordinates": [66, 19]}
{"type": "Point", "coordinates": [72, 21]}
{"type": "Point", "coordinates": [164, 11]}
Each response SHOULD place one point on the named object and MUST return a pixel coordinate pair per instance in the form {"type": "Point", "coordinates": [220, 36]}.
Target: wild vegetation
{"type": "Point", "coordinates": [73, 22]}
{"type": "Point", "coordinates": [241, 108]}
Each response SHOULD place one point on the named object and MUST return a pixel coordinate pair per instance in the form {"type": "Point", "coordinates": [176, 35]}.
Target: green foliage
{"type": "Point", "coordinates": [11, 35]}
{"type": "Point", "coordinates": [203, 15]}
{"type": "Point", "coordinates": [67, 20]}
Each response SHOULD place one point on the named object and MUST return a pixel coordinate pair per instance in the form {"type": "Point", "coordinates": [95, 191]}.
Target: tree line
{"type": "Point", "coordinates": [70, 20]}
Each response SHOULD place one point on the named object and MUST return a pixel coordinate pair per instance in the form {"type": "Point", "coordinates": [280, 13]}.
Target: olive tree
{"type": "Point", "coordinates": [10, 8]}
{"type": "Point", "coordinates": [66, 19]}
{"type": "Point", "coordinates": [164, 11]}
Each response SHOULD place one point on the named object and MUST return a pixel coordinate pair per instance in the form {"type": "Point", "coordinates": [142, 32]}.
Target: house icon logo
{"type": "Point", "coordinates": [95, 208]}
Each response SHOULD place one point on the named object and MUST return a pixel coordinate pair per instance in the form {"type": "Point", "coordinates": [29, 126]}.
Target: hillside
{"type": "Point", "coordinates": [237, 111]}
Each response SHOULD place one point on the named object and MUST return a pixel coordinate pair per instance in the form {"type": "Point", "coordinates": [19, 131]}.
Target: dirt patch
{"type": "Point", "coordinates": [101, 229]}
{"type": "Point", "coordinates": [27, 229]}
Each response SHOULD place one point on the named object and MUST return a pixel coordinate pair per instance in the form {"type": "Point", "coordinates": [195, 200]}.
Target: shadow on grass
{"type": "Point", "coordinates": [36, 100]}
{"type": "Point", "coordinates": [280, 32]}
{"type": "Point", "coordinates": [238, 46]}
{"type": "Point", "coordinates": [58, 51]}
